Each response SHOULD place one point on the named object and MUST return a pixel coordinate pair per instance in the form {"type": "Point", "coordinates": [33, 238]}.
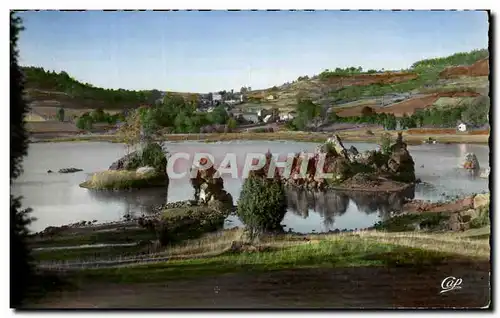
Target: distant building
{"type": "Point", "coordinates": [462, 127]}
{"type": "Point", "coordinates": [250, 117]}
{"type": "Point", "coordinates": [286, 116]}
{"type": "Point", "coordinates": [216, 98]}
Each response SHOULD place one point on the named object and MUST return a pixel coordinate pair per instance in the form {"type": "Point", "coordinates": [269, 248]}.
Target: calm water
{"type": "Point", "coordinates": [57, 199]}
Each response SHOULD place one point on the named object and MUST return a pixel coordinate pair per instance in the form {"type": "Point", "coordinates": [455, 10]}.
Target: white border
{"type": "Point", "coordinates": [198, 4]}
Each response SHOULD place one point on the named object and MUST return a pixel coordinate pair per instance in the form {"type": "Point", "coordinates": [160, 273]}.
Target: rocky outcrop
{"type": "Point", "coordinates": [145, 170]}
{"type": "Point", "coordinates": [400, 164]}
{"type": "Point", "coordinates": [471, 162]}
{"type": "Point", "coordinates": [486, 173]}
{"type": "Point", "coordinates": [209, 189]}
{"type": "Point", "coordinates": [352, 169]}
{"type": "Point", "coordinates": [480, 200]}
{"type": "Point", "coordinates": [67, 170]}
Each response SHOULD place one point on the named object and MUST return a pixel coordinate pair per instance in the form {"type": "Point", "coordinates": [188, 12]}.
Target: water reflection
{"type": "Point", "coordinates": [332, 204]}
{"type": "Point", "coordinates": [136, 202]}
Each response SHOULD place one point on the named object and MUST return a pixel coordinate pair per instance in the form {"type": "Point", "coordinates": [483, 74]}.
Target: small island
{"type": "Point", "coordinates": [391, 168]}
{"type": "Point", "coordinates": [144, 168]}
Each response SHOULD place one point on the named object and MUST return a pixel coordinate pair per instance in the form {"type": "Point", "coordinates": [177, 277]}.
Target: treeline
{"type": "Point", "coordinates": [474, 113]}
{"type": "Point", "coordinates": [39, 78]}
{"type": "Point", "coordinates": [87, 120]}
{"type": "Point", "coordinates": [462, 58]}
{"type": "Point", "coordinates": [326, 74]}
{"type": "Point", "coordinates": [180, 116]}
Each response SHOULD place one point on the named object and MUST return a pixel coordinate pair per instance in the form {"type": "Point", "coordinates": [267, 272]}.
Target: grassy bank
{"type": "Point", "coordinates": [123, 179]}
{"type": "Point", "coordinates": [349, 136]}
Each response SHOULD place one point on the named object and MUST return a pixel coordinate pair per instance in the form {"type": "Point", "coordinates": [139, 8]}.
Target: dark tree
{"type": "Point", "coordinates": [367, 111]}
{"type": "Point", "coordinates": [21, 270]}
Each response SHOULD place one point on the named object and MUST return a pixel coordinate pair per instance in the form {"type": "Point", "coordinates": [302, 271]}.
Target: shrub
{"type": "Point", "coordinates": [60, 114]}
{"type": "Point", "coordinates": [179, 224]}
{"type": "Point", "coordinates": [262, 205]}
{"type": "Point", "coordinates": [232, 124]}
{"type": "Point", "coordinates": [482, 219]}
{"type": "Point", "coordinates": [369, 132]}
{"type": "Point", "coordinates": [84, 122]}
{"type": "Point", "coordinates": [153, 155]}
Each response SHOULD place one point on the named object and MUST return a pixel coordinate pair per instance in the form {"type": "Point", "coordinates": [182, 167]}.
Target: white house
{"type": "Point", "coordinates": [462, 127]}
{"type": "Point", "coordinates": [270, 97]}
{"type": "Point", "coordinates": [216, 97]}
{"type": "Point", "coordinates": [286, 116]}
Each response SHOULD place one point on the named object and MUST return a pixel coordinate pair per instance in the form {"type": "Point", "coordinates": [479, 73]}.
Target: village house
{"type": "Point", "coordinates": [462, 127]}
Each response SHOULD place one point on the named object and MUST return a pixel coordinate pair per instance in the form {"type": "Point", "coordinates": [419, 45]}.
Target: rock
{"type": "Point", "coordinates": [485, 174]}
{"type": "Point", "coordinates": [468, 215]}
{"type": "Point", "coordinates": [366, 158]}
{"type": "Point", "coordinates": [49, 171]}
{"type": "Point", "coordinates": [338, 166]}
{"type": "Point", "coordinates": [455, 223]}
{"type": "Point", "coordinates": [352, 153]}
{"type": "Point", "coordinates": [481, 200]}
{"type": "Point", "coordinates": [401, 165]}
{"type": "Point", "coordinates": [338, 146]}
{"type": "Point", "coordinates": [471, 162]}
{"type": "Point", "coordinates": [145, 170]}
{"type": "Point", "coordinates": [69, 170]}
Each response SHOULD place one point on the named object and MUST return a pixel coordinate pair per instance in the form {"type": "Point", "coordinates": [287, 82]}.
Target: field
{"type": "Point", "coordinates": [316, 270]}
{"type": "Point", "coordinates": [50, 113]}
{"type": "Point", "coordinates": [410, 106]}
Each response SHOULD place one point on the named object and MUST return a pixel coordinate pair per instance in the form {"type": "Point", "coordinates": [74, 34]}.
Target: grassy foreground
{"type": "Point", "coordinates": [217, 253]}
{"type": "Point", "coordinates": [352, 136]}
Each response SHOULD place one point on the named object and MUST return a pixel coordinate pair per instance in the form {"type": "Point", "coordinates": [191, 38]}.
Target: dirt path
{"type": "Point", "coordinates": [367, 287]}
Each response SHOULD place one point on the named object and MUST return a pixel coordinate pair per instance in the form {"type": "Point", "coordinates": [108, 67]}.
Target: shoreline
{"type": "Point", "coordinates": [317, 137]}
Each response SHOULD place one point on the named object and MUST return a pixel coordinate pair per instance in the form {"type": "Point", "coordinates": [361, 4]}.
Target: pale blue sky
{"type": "Point", "coordinates": [209, 51]}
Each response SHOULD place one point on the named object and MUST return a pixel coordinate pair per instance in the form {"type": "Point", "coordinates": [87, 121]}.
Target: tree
{"type": "Point", "coordinates": [60, 114]}
{"type": "Point", "coordinates": [231, 124]}
{"type": "Point", "coordinates": [84, 122]}
{"type": "Point", "coordinates": [333, 117]}
{"type": "Point", "coordinates": [262, 205]}
{"type": "Point", "coordinates": [21, 270]}
{"type": "Point", "coordinates": [308, 111]}
{"type": "Point", "coordinates": [367, 111]}
{"type": "Point", "coordinates": [98, 115]}
{"type": "Point", "coordinates": [390, 122]}
{"type": "Point", "coordinates": [476, 113]}
{"type": "Point", "coordinates": [404, 121]}
{"type": "Point", "coordinates": [219, 115]}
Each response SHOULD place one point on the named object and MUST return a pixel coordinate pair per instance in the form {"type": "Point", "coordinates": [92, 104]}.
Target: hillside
{"type": "Point", "coordinates": [449, 80]}
{"type": "Point", "coordinates": [48, 91]}
{"type": "Point", "coordinates": [439, 83]}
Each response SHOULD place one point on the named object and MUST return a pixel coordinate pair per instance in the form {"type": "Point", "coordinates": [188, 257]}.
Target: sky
{"type": "Point", "coordinates": [223, 50]}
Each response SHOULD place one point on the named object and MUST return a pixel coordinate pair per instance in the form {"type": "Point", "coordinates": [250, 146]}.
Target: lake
{"type": "Point", "coordinates": [56, 199]}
